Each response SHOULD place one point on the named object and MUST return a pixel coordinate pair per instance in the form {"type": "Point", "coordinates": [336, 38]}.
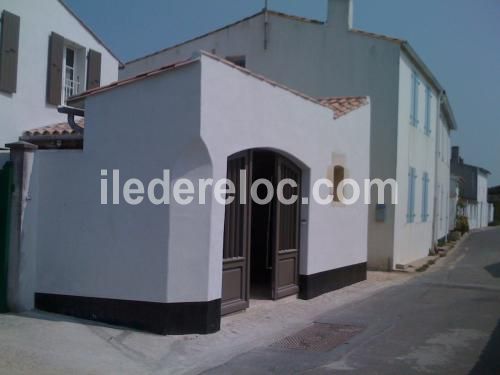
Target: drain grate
{"type": "Point", "coordinates": [319, 337]}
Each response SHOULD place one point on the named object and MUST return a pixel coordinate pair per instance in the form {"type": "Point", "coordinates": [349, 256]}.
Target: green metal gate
{"type": "Point", "coordinates": [5, 195]}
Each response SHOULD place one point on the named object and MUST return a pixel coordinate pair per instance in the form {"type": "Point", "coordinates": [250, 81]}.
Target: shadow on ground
{"type": "Point", "coordinates": [489, 361]}
{"type": "Point", "coordinates": [493, 269]}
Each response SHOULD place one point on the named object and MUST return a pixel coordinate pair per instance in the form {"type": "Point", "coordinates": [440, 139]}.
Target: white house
{"type": "Point", "coordinates": [474, 193]}
{"type": "Point", "coordinates": [175, 268]}
{"type": "Point", "coordinates": [46, 55]}
{"type": "Point", "coordinates": [411, 116]}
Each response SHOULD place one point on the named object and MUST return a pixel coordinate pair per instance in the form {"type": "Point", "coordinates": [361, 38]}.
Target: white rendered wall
{"type": "Point", "coordinates": [415, 149]}
{"type": "Point", "coordinates": [240, 112]}
{"type": "Point", "coordinates": [121, 251]}
{"type": "Point", "coordinates": [27, 108]}
{"type": "Point", "coordinates": [174, 253]}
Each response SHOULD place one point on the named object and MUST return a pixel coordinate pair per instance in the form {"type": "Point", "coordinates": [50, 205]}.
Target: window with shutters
{"type": "Point", "coordinates": [71, 70]}
{"type": "Point", "coordinates": [412, 176]}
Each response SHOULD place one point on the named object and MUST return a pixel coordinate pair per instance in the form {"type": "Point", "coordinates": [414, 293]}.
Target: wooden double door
{"type": "Point", "coordinates": [260, 241]}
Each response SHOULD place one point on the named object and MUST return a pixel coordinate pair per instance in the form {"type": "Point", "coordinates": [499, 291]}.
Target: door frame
{"type": "Point", "coordinates": [243, 263]}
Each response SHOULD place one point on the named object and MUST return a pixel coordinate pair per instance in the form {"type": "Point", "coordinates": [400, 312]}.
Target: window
{"type": "Point", "coordinates": [237, 60]}
{"type": "Point", "coordinates": [425, 197]}
{"type": "Point", "coordinates": [428, 101]}
{"type": "Point", "coordinates": [415, 83]}
{"type": "Point", "coordinates": [338, 177]}
{"type": "Point", "coordinates": [412, 176]}
{"type": "Point", "coordinates": [71, 78]}
{"type": "Point", "coordinates": [70, 69]}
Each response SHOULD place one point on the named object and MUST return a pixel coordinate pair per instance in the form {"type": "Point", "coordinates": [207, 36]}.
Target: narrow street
{"type": "Point", "coordinates": [445, 321]}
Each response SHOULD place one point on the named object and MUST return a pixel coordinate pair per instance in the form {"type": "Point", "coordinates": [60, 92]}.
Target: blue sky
{"type": "Point", "coordinates": [458, 39]}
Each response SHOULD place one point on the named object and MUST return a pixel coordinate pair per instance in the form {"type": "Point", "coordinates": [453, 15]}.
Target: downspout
{"type": "Point", "coordinates": [436, 160]}
{"type": "Point", "coordinates": [72, 112]}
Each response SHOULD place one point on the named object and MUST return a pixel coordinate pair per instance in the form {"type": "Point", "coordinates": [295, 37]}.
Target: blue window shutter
{"type": "Point", "coordinates": [417, 83]}
{"type": "Point", "coordinates": [425, 197]}
{"type": "Point", "coordinates": [428, 97]}
{"type": "Point", "coordinates": [408, 210]}
{"type": "Point", "coordinates": [411, 195]}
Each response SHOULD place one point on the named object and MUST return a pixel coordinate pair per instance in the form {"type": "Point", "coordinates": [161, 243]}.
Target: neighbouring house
{"type": "Point", "coordinates": [411, 115]}
{"type": "Point", "coordinates": [175, 268]}
{"type": "Point", "coordinates": [474, 190]}
{"type": "Point", "coordinates": [494, 201]}
{"type": "Point", "coordinates": [455, 188]}
{"type": "Point", "coordinates": [47, 54]}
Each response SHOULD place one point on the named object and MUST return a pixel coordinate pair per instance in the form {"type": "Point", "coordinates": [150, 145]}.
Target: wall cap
{"type": "Point", "coordinates": [21, 145]}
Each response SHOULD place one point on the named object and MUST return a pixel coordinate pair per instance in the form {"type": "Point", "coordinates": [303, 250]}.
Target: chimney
{"type": "Point", "coordinates": [340, 14]}
{"type": "Point", "coordinates": [455, 154]}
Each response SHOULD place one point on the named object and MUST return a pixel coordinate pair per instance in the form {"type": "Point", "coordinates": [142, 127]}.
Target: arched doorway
{"type": "Point", "coordinates": [261, 241]}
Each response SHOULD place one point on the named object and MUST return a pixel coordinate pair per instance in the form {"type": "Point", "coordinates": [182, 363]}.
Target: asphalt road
{"type": "Point", "coordinates": [446, 321]}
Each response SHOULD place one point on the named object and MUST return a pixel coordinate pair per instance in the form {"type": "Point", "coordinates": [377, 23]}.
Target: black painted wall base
{"type": "Point", "coordinates": [161, 318]}
{"type": "Point", "coordinates": [323, 282]}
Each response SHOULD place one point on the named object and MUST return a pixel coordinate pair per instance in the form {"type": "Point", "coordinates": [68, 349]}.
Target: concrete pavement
{"type": "Point", "coordinates": [445, 321]}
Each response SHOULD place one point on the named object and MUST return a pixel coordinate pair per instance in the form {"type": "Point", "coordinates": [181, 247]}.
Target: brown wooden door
{"type": "Point", "coordinates": [286, 249]}
{"type": "Point", "coordinates": [235, 267]}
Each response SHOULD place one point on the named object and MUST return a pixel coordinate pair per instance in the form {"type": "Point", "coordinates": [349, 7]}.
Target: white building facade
{"type": "Point", "coordinates": [47, 54]}
{"type": "Point", "coordinates": [407, 104]}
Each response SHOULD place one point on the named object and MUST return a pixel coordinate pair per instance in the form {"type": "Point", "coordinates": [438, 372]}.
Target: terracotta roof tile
{"type": "Point", "coordinates": [58, 129]}
{"type": "Point", "coordinates": [342, 105]}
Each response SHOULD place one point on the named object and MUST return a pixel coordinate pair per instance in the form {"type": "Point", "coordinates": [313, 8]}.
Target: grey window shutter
{"type": "Point", "coordinates": [9, 51]}
{"type": "Point", "coordinates": [93, 69]}
{"type": "Point", "coordinates": [55, 69]}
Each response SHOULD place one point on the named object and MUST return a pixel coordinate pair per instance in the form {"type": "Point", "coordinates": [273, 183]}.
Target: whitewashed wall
{"type": "Point", "coordinates": [415, 149]}
{"type": "Point", "coordinates": [240, 112]}
{"type": "Point", "coordinates": [174, 253]}
{"type": "Point", "coordinates": [27, 108]}
{"type": "Point", "coordinates": [121, 251]}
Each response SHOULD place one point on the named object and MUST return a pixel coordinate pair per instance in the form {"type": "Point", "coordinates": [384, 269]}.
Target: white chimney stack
{"type": "Point", "coordinates": [340, 14]}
